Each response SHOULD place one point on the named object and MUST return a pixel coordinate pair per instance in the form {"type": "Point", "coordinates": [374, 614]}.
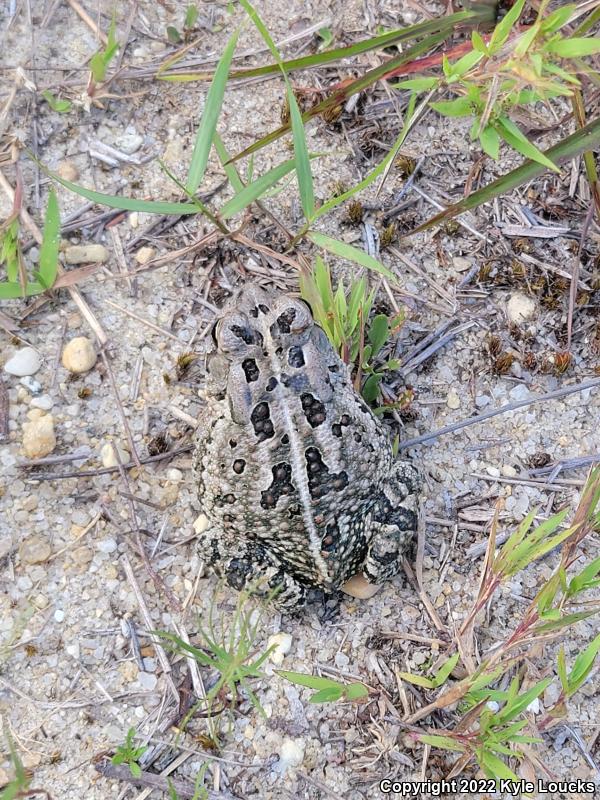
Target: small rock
{"type": "Point", "coordinates": [129, 142]}
{"type": "Point", "coordinates": [493, 471]}
{"type": "Point", "coordinates": [67, 170]}
{"type": "Point", "coordinates": [519, 392]}
{"type": "Point", "coordinates": [32, 386]}
{"type": "Point", "coordinates": [86, 254]}
{"type": "Point", "coordinates": [108, 458]}
{"type": "Point", "coordinates": [59, 615]}
{"type": "Point", "coordinates": [201, 523]}
{"type": "Point", "coordinates": [461, 264]}
{"type": "Point", "coordinates": [145, 254]}
{"type": "Point", "coordinates": [358, 586]}
{"type": "Point", "coordinates": [174, 475]}
{"type": "Point", "coordinates": [147, 680]}
{"type": "Point", "coordinates": [34, 550]}
{"type": "Point", "coordinates": [291, 753]}
{"type": "Point", "coordinates": [482, 400]}
{"type": "Point", "coordinates": [79, 355]}
{"type": "Point", "coordinates": [508, 471]}
{"type": "Point", "coordinates": [44, 402]}
{"type": "Point", "coordinates": [282, 643]}
{"type": "Point", "coordinates": [39, 439]}
{"type": "Point", "coordinates": [81, 557]}
{"type": "Point", "coordinates": [452, 399]}
{"type": "Point", "coordinates": [25, 361]}
{"type": "Point", "coordinates": [74, 650]}
{"type": "Point", "coordinates": [520, 308]}
{"type": "Point", "coordinates": [106, 545]}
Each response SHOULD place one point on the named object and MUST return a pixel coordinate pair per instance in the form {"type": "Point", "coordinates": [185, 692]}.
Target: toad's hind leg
{"type": "Point", "coordinates": [247, 566]}
{"type": "Point", "coordinates": [395, 519]}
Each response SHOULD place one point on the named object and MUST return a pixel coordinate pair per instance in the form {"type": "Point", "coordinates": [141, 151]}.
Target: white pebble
{"type": "Point", "coordinates": [493, 471]}
{"type": "Point", "coordinates": [520, 308]}
{"type": "Point", "coordinates": [201, 523]}
{"type": "Point", "coordinates": [174, 475]}
{"type": "Point", "coordinates": [453, 399]}
{"type": "Point", "coordinates": [44, 401]}
{"type": "Point", "coordinates": [291, 753]}
{"type": "Point", "coordinates": [106, 545]}
{"type": "Point", "coordinates": [79, 355]}
{"type": "Point", "coordinates": [282, 643]}
{"type": "Point", "coordinates": [25, 361]}
{"type": "Point", "coordinates": [59, 615]}
{"type": "Point", "coordinates": [32, 386]}
{"type": "Point", "coordinates": [108, 458]}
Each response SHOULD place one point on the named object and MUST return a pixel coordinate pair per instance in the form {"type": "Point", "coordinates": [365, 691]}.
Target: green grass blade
{"type": "Point", "coordinates": [311, 681]}
{"type": "Point", "coordinates": [587, 138]}
{"type": "Point", "coordinates": [441, 24]}
{"type": "Point", "coordinates": [256, 189]}
{"type": "Point", "coordinates": [583, 665]}
{"type": "Point", "coordinates": [12, 290]}
{"type": "Point", "coordinates": [340, 95]}
{"type": "Point", "coordinates": [344, 250]}
{"type": "Point", "coordinates": [303, 171]}
{"type": "Point", "coordinates": [517, 140]}
{"type": "Point", "coordinates": [126, 203]}
{"type": "Point", "coordinates": [224, 157]}
{"type": "Point", "coordinates": [208, 123]}
{"type": "Point", "coordinates": [48, 263]}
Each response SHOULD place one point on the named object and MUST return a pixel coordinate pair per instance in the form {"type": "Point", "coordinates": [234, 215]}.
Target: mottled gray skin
{"type": "Point", "coordinates": [295, 474]}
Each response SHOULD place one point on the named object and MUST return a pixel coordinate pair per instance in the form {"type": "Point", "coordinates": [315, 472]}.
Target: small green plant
{"type": "Point", "coordinates": [18, 787]}
{"type": "Point", "coordinates": [128, 753]}
{"type": "Point", "coordinates": [230, 653]}
{"type": "Point", "coordinates": [493, 719]}
{"type": "Point", "coordinates": [326, 689]}
{"type": "Point", "coordinates": [189, 23]}
{"type": "Point", "coordinates": [344, 316]}
{"type": "Point", "coordinates": [100, 61]}
{"type": "Point", "coordinates": [200, 790]}
{"type": "Point", "coordinates": [17, 283]}
{"type": "Point", "coordinates": [56, 103]}
{"type": "Point", "coordinates": [499, 75]}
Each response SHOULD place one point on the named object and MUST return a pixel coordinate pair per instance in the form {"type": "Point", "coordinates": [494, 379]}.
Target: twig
{"type": "Point", "coordinates": [185, 790]}
{"type": "Point", "coordinates": [115, 389]}
{"type": "Point", "coordinates": [580, 387]}
{"type": "Point", "coordinates": [160, 652]}
{"type": "Point", "coordinates": [82, 13]}
{"type": "Point", "coordinates": [3, 411]}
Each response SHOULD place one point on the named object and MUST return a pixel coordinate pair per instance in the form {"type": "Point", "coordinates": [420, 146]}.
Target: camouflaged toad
{"type": "Point", "coordinates": [295, 475]}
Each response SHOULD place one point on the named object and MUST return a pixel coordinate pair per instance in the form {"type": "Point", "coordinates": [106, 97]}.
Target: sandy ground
{"type": "Point", "coordinates": [72, 678]}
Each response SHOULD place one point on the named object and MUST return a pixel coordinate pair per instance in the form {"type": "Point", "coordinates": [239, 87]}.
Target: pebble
{"type": "Point", "coordinates": [59, 615]}
{"type": "Point", "coordinates": [34, 550]}
{"type": "Point", "coordinates": [508, 471]}
{"type": "Point", "coordinates": [482, 400]}
{"type": "Point", "coordinates": [79, 355]}
{"type": "Point", "coordinates": [130, 141]}
{"type": "Point", "coordinates": [453, 399]}
{"type": "Point", "coordinates": [291, 753]}
{"type": "Point", "coordinates": [520, 308]}
{"type": "Point", "coordinates": [86, 254]}
{"type": "Point", "coordinates": [25, 361]}
{"type": "Point", "coordinates": [147, 680]}
{"type": "Point", "coordinates": [44, 401]}
{"type": "Point", "coordinates": [519, 392]}
{"type": "Point", "coordinates": [145, 254]}
{"type": "Point", "coordinates": [106, 545]}
{"type": "Point", "coordinates": [39, 439]}
{"type": "Point", "coordinates": [461, 264]}
{"type": "Point", "coordinates": [67, 170]}
{"type": "Point", "coordinates": [108, 458]}
{"type": "Point", "coordinates": [174, 475]}
{"type": "Point", "coordinates": [32, 386]}
{"type": "Point", "coordinates": [201, 523]}
{"type": "Point", "coordinates": [282, 642]}
{"type": "Point", "coordinates": [493, 471]}
{"type": "Point", "coordinates": [359, 587]}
